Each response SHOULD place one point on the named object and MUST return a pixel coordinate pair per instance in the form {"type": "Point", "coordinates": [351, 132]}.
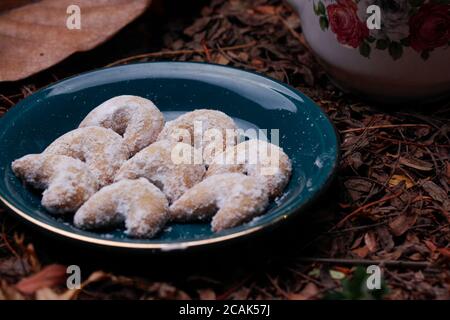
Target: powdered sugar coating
{"type": "Point", "coordinates": [257, 158]}
{"type": "Point", "coordinates": [136, 118]}
{"type": "Point", "coordinates": [67, 182]}
{"type": "Point", "coordinates": [138, 203]}
{"type": "Point", "coordinates": [183, 129]}
{"type": "Point", "coordinates": [101, 149]}
{"type": "Point", "coordinates": [156, 164]}
{"type": "Point", "coordinates": [231, 198]}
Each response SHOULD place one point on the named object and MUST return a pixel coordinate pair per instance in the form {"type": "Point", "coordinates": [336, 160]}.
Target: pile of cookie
{"type": "Point", "coordinates": [124, 165]}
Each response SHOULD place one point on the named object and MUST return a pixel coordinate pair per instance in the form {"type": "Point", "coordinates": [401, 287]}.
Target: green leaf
{"type": "Point", "coordinates": [321, 8]}
{"type": "Point", "coordinates": [395, 50]}
{"type": "Point", "coordinates": [314, 272]}
{"type": "Point", "coordinates": [364, 49]}
{"type": "Point", "coordinates": [382, 44]}
{"type": "Point", "coordinates": [355, 288]}
{"type": "Point", "coordinates": [316, 9]}
{"type": "Point", "coordinates": [337, 275]}
{"type": "Point", "coordinates": [323, 23]}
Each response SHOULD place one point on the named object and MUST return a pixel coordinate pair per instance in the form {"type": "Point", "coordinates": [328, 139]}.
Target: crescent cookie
{"type": "Point", "coordinates": [257, 158]}
{"type": "Point", "coordinates": [159, 164]}
{"type": "Point", "coordinates": [101, 149]}
{"type": "Point", "coordinates": [137, 203]}
{"type": "Point", "coordinates": [211, 131]}
{"type": "Point", "coordinates": [67, 182]}
{"type": "Point", "coordinates": [137, 119]}
{"type": "Point", "coordinates": [230, 198]}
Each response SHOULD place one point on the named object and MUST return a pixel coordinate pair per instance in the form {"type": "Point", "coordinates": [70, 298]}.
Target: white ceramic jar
{"type": "Point", "coordinates": [407, 59]}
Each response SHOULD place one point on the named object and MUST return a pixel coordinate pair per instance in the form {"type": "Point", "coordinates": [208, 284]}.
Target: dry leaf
{"type": "Point", "coordinates": [241, 294]}
{"type": "Point", "coordinates": [34, 37]}
{"type": "Point", "coordinates": [416, 163]}
{"type": "Point", "coordinates": [416, 257]}
{"type": "Point", "coordinates": [309, 291]}
{"type": "Point", "coordinates": [397, 178]}
{"type": "Point", "coordinates": [266, 9]}
{"type": "Point", "coordinates": [448, 171]}
{"type": "Point", "coordinates": [361, 252]}
{"type": "Point", "coordinates": [402, 223]}
{"type": "Point", "coordinates": [370, 241]}
{"type": "Point", "coordinates": [8, 292]}
{"type": "Point", "coordinates": [445, 252]}
{"type": "Point", "coordinates": [10, 4]}
{"type": "Point", "coordinates": [221, 59]}
{"type": "Point", "coordinates": [168, 292]}
{"type": "Point", "coordinates": [14, 267]}
{"type": "Point", "coordinates": [94, 277]}
{"type": "Point", "coordinates": [47, 294]}
{"type": "Point", "coordinates": [206, 294]}
{"type": "Point", "coordinates": [48, 277]}
{"type": "Point", "coordinates": [435, 191]}
{"type": "Point", "coordinates": [430, 245]}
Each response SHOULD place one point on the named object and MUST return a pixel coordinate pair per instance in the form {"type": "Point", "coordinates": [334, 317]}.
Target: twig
{"type": "Point", "coordinates": [7, 244]}
{"type": "Point", "coordinates": [414, 143]}
{"type": "Point", "coordinates": [386, 126]}
{"type": "Point", "coordinates": [277, 287]}
{"type": "Point", "coordinates": [357, 211]}
{"type": "Point", "coordinates": [206, 50]}
{"type": "Point", "coordinates": [352, 262]}
{"type": "Point", "coordinates": [293, 32]}
{"type": "Point", "coordinates": [306, 277]}
{"type": "Point", "coordinates": [7, 99]}
{"type": "Point", "coordinates": [177, 52]}
{"type": "Point", "coordinates": [229, 291]}
{"type": "Point", "coordinates": [358, 228]}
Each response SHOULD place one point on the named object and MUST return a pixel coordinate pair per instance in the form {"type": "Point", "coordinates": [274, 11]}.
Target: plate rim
{"type": "Point", "coordinates": [162, 247]}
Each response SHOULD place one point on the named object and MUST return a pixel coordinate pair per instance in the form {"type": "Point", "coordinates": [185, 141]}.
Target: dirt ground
{"type": "Point", "coordinates": [389, 205]}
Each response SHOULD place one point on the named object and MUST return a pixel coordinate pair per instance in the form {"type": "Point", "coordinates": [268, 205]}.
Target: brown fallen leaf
{"type": "Point", "coordinates": [50, 276]}
{"type": "Point", "coordinates": [221, 59]}
{"type": "Point", "coordinates": [398, 178]}
{"type": "Point", "coordinates": [48, 294]}
{"type": "Point", "coordinates": [266, 9]}
{"type": "Point", "coordinates": [445, 252]}
{"type": "Point", "coordinates": [8, 292]}
{"type": "Point", "coordinates": [416, 257]}
{"type": "Point", "coordinates": [310, 291]}
{"type": "Point", "coordinates": [435, 191]}
{"type": "Point", "coordinates": [34, 36]}
{"type": "Point", "coordinates": [371, 241]}
{"type": "Point", "coordinates": [361, 252]}
{"type": "Point", "coordinates": [430, 245]}
{"type": "Point", "coordinates": [10, 4]}
{"type": "Point", "coordinates": [13, 267]}
{"type": "Point", "coordinates": [206, 294]}
{"type": "Point", "coordinates": [416, 163]}
{"type": "Point", "coordinates": [402, 223]}
{"type": "Point", "coordinates": [447, 164]}
{"type": "Point", "coordinates": [241, 294]}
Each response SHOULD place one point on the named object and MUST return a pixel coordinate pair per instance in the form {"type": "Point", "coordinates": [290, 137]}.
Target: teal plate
{"type": "Point", "coordinates": [254, 101]}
